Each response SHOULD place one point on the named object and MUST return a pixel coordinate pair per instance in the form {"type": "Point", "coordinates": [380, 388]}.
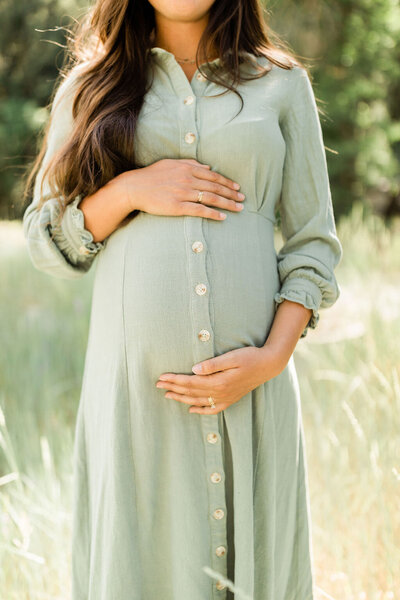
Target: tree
{"type": "Point", "coordinates": [28, 70]}
{"type": "Point", "coordinates": [355, 47]}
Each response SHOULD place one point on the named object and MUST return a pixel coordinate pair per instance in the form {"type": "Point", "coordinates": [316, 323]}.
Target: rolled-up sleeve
{"type": "Point", "coordinates": [311, 248]}
{"type": "Point", "coordinates": [65, 248]}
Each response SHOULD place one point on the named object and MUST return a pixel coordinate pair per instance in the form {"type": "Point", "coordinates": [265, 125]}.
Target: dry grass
{"type": "Point", "coordinates": [350, 382]}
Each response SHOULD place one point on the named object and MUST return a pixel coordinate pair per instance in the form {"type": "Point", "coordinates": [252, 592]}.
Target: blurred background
{"type": "Point", "coordinates": [349, 367]}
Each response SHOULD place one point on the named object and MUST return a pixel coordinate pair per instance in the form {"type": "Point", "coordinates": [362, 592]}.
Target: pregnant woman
{"type": "Point", "coordinates": [190, 481]}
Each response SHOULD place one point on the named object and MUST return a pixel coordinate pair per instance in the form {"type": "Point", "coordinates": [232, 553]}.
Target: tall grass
{"type": "Point", "coordinates": [350, 383]}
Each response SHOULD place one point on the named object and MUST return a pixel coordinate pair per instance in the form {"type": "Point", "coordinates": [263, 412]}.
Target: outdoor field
{"type": "Point", "coordinates": [349, 370]}
{"type": "Point", "coordinates": [348, 367]}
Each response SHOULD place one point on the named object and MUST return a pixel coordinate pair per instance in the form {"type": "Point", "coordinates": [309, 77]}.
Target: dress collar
{"type": "Point", "coordinates": [167, 62]}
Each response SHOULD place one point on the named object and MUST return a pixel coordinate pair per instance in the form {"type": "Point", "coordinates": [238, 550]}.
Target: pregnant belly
{"type": "Point", "coordinates": [177, 299]}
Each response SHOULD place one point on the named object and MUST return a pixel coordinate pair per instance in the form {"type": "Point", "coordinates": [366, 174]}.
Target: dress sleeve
{"type": "Point", "coordinates": [311, 248]}
{"type": "Point", "coordinates": [65, 250]}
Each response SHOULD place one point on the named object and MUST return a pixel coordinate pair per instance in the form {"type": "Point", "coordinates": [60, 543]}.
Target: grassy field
{"type": "Point", "coordinates": [349, 370]}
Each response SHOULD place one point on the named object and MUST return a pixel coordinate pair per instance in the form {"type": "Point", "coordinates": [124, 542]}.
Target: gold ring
{"type": "Point", "coordinates": [211, 401]}
{"type": "Point", "coordinates": [199, 196]}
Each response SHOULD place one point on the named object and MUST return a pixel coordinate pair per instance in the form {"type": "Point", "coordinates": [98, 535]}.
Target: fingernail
{"type": "Point", "coordinates": [222, 215]}
{"type": "Point", "coordinates": [236, 186]}
{"type": "Point", "coordinates": [239, 205]}
{"type": "Point", "coordinates": [197, 368]}
{"type": "Point", "coordinates": [242, 196]}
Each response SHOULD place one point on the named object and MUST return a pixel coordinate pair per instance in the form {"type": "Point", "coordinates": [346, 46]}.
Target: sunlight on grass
{"type": "Point", "coordinates": [350, 382]}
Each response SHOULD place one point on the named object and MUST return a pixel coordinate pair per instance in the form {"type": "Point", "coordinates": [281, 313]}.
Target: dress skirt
{"type": "Point", "coordinates": [149, 513]}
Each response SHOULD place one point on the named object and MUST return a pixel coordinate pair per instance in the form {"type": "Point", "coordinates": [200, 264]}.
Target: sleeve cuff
{"type": "Point", "coordinates": [304, 292]}
{"type": "Point", "coordinates": [74, 231]}
{"type": "Point", "coordinates": [71, 237]}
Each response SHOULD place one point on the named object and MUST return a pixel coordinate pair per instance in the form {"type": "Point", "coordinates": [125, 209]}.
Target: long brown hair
{"type": "Point", "coordinates": [109, 51]}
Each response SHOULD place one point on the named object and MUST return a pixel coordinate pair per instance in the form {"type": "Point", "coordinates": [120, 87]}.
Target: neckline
{"type": "Point", "coordinates": [163, 57]}
{"type": "Point", "coordinates": [162, 52]}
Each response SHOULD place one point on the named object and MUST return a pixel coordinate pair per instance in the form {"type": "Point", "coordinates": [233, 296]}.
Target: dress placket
{"type": "Point", "coordinates": [202, 329]}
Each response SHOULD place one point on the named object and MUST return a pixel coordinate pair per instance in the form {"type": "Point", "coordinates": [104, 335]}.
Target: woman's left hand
{"type": "Point", "coordinates": [226, 378]}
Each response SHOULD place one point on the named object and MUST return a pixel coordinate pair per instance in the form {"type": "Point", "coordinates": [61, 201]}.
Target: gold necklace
{"type": "Point", "coordinates": [186, 60]}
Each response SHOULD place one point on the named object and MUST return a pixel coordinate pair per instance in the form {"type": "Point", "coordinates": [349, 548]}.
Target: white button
{"type": "Point", "coordinates": [197, 246]}
{"type": "Point", "coordinates": [215, 477]}
{"type": "Point", "coordinates": [200, 289]}
{"type": "Point", "coordinates": [218, 513]}
{"type": "Point", "coordinates": [204, 335]}
{"type": "Point", "coordinates": [220, 586]}
{"type": "Point", "coordinates": [200, 77]}
{"type": "Point", "coordinates": [190, 137]}
{"type": "Point", "coordinates": [188, 100]}
{"type": "Point", "coordinates": [220, 551]}
{"type": "Point", "coordinates": [212, 438]}
{"type": "Point", "coordinates": [84, 250]}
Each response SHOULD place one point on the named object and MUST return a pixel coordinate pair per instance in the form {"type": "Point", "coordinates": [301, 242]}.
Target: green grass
{"type": "Point", "coordinates": [350, 382]}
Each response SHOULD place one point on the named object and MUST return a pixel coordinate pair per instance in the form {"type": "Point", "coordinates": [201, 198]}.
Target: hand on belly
{"type": "Point", "coordinates": [225, 378]}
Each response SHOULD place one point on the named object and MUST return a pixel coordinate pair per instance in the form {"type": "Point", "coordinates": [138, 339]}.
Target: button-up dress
{"type": "Point", "coordinates": [167, 504]}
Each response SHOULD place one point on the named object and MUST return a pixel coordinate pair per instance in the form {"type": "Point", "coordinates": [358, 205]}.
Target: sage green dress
{"type": "Point", "coordinates": [160, 493]}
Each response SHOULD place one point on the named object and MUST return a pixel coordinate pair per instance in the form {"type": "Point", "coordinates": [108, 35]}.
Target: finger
{"type": "Point", "coordinates": [208, 410]}
{"type": "Point", "coordinates": [180, 389]}
{"type": "Point", "coordinates": [217, 178]}
{"type": "Point", "coordinates": [187, 399]}
{"type": "Point", "coordinates": [188, 381]}
{"type": "Point", "coordinates": [225, 361]}
{"type": "Point", "coordinates": [209, 198]}
{"type": "Point", "coordinates": [197, 209]}
{"type": "Point", "coordinates": [194, 162]}
{"type": "Point", "coordinates": [216, 187]}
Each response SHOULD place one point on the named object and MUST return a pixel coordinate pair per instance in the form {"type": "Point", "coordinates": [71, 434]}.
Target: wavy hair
{"type": "Point", "coordinates": [108, 51]}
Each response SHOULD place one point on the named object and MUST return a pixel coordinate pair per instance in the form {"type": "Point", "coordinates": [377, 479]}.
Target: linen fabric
{"type": "Point", "coordinates": [157, 495]}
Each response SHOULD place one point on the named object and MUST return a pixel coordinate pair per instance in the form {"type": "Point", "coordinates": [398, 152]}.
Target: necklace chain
{"type": "Point", "coordinates": [186, 60]}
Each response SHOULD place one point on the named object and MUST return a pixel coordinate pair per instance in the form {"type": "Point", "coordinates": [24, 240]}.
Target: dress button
{"type": "Point", "coordinates": [200, 77]}
{"type": "Point", "coordinates": [212, 438]}
{"type": "Point", "coordinates": [215, 477]}
{"type": "Point", "coordinates": [218, 513]}
{"type": "Point", "coordinates": [197, 246]}
{"type": "Point", "coordinates": [190, 137]}
{"type": "Point", "coordinates": [188, 100]}
{"type": "Point", "coordinates": [220, 586]}
{"type": "Point", "coordinates": [84, 250]}
{"type": "Point", "coordinates": [220, 551]}
{"type": "Point", "coordinates": [200, 289]}
{"type": "Point", "coordinates": [204, 335]}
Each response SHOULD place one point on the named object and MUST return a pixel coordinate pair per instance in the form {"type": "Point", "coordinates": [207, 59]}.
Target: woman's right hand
{"type": "Point", "coordinates": [170, 187]}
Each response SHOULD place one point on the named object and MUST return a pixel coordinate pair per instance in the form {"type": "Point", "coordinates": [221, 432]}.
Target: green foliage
{"type": "Point", "coordinates": [349, 378]}
{"type": "Point", "coordinates": [29, 62]}
{"type": "Point", "coordinates": [354, 49]}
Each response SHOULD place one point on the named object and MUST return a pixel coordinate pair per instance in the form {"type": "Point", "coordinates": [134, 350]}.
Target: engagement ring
{"type": "Point", "coordinates": [211, 401]}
